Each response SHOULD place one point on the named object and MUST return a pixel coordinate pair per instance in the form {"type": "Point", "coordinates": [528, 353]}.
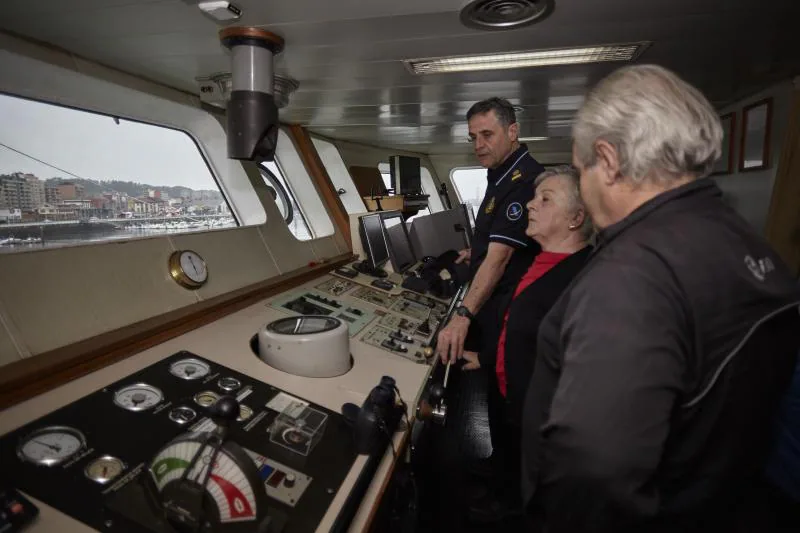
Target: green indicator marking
{"type": "Point", "coordinates": [167, 465]}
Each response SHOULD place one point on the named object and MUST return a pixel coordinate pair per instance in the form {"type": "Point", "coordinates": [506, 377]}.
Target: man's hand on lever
{"type": "Point", "coordinates": [464, 256]}
{"type": "Point", "coordinates": [450, 343]}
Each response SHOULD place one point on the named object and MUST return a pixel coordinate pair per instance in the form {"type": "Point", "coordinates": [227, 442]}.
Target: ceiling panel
{"type": "Point", "coordinates": [347, 55]}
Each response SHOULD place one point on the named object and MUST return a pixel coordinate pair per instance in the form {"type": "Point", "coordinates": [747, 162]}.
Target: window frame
{"type": "Point", "coordinates": [108, 92]}
{"type": "Point", "coordinates": [285, 187]}
{"type": "Point", "coordinates": [204, 157]}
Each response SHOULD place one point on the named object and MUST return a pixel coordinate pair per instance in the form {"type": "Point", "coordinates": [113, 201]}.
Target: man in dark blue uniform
{"type": "Point", "coordinates": [501, 252]}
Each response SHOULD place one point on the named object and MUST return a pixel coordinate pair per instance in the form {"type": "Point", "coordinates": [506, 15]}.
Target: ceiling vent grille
{"type": "Point", "coordinates": [496, 15]}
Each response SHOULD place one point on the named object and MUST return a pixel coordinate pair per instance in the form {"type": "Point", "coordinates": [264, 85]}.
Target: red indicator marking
{"type": "Point", "coordinates": [276, 478]}
{"type": "Point", "coordinates": [237, 503]}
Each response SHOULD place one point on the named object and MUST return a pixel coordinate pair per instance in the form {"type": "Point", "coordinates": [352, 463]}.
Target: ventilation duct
{"type": "Point", "coordinates": [497, 15]}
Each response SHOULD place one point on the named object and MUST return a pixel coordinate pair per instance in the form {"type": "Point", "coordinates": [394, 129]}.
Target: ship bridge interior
{"type": "Point", "coordinates": [145, 272]}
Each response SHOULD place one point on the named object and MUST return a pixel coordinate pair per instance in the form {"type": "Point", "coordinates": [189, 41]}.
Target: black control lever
{"type": "Point", "coordinates": [375, 422]}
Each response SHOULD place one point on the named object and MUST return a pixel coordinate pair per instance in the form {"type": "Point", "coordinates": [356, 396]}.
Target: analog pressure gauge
{"type": "Point", "coordinates": [51, 445]}
{"type": "Point", "coordinates": [104, 469]}
{"type": "Point", "coordinates": [138, 397]}
{"type": "Point", "coordinates": [189, 369]}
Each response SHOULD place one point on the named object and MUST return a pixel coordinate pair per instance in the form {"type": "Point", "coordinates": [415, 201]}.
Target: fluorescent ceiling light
{"type": "Point", "coordinates": [532, 58]}
{"type": "Point", "coordinates": [530, 139]}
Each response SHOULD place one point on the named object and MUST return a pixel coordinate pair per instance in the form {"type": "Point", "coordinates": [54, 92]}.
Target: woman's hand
{"type": "Point", "coordinates": [472, 361]}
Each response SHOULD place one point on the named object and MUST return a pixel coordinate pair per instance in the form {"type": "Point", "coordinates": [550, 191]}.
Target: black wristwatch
{"type": "Point", "coordinates": [463, 311]}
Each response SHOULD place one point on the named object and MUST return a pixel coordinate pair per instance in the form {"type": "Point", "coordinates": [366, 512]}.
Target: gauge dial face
{"type": "Point", "coordinates": [193, 266]}
{"type": "Point", "coordinates": [51, 445]}
{"type": "Point", "coordinates": [228, 485]}
{"type": "Point", "coordinates": [206, 398]}
{"type": "Point", "coordinates": [189, 369]}
{"type": "Point", "coordinates": [244, 413]}
{"type": "Point", "coordinates": [182, 415]}
{"type": "Point", "coordinates": [104, 469]}
{"type": "Point", "coordinates": [229, 384]}
{"type": "Point", "coordinates": [138, 397]}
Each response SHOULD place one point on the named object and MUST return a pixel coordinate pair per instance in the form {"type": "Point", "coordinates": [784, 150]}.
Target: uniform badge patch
{"type": "Point", "coordinates": [489, 207]}
{"type": "Point", "coordinates": [514, 211]}
{"type": "Point", "coordinates": [516, 175]}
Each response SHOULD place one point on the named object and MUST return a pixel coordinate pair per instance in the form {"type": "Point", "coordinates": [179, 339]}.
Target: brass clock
{"type": "Point", "coordinates": [188, 269]}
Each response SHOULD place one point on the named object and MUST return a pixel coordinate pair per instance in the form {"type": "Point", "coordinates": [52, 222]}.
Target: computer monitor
{"type": "Point", "coordinates": [405, 174]}
{"type": "Point", "coordinates": [434, 234]}
{"type": "Point", "coordinates": [400, 251]}
{"type": "Point", "coordinates": [371, 231]}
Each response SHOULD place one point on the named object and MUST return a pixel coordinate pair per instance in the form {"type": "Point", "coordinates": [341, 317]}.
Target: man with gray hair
{"type": "Point", "coordinates": [659, 371]}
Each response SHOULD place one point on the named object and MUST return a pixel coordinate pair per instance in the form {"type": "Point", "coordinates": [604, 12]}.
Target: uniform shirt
{"type": "Point", "coordinates": [503, 216]}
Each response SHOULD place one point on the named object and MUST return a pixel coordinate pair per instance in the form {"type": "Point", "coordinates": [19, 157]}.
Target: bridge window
{"type": "Point", "coordinates": [340, 177]}
{"type": "Point", "coordinates": [284, 197]}
{"type": "Point", "coordinates": [69, 176]}
{"type": "Point", "coordinates": [313, 221]}
{"type": "Point", "coordinates": [470, 185]}
{"type": "Point", "coordinates": [386, 174]}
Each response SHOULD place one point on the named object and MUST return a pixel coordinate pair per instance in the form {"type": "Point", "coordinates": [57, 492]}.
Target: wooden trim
{"type": "Point", "coordinates": [767, 136]}
{"type": "Point", "coordinates": [27, 378]}
{"type": "Point", "coordinates": [401, 449]}
{"type": "Point", "coordinates": [783, 220]}
{"type": "Point", "coordinates": [308, 153]}
{"type": "Point", "coordinates": [253, 33]}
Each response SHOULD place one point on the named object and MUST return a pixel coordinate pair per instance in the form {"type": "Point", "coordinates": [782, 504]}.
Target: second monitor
{"type": "Point", "coordinates": [401, 252]}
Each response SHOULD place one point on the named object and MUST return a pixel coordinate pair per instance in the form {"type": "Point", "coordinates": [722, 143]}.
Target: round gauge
{"type": "Point", "coordinates": [182, 415]}
{"type": "Point", "coordinates": [138, 397]}
{"type": "Point", "coordinates": [188, 269]}
{"type": "Point", "coordinates": [244, 413]}
{"type": "Point", "coordinates": [189, 369]}
{"type": "Point", "coordinates": [104, 469]}
{"type": "Point", "coordinates": [51, 445]}
{"type": "Point", "coordinates": [229, 384]}
{"type": "Point", "coordinates": [206, 398]}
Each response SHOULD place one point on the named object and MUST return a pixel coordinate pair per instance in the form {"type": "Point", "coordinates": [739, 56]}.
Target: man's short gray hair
{"type": "Point", "coordinates": [662, 127]}
{"type": "Point", "coordinates": [572, 176]}
{"type": "Point", "coordinates": [502, 108]}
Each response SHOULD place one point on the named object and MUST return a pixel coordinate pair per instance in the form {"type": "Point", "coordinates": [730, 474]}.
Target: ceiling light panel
{"type": "Point", "coordinates": [528, 59]}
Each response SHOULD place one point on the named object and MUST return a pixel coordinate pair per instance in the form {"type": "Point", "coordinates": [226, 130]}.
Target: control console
{"type": "Point", "coordinates": [135, 455]}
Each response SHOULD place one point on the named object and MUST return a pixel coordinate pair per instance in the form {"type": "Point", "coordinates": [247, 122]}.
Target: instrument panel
{"type": "Point", "coordinates": [89, 458]}
{"type": "Point", "coordinates": [398, 324]}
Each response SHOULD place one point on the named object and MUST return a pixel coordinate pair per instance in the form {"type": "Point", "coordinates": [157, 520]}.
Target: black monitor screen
{"type": "Point", "coordinates": [405, 174]}
{"type": "Point", "coordinates": [400, 250]}
{"type": "Point", "coordinates": [373, 241]}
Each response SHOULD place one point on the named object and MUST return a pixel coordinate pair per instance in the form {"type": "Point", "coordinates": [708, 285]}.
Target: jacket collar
{"type": "Point", "coordinates": [702, 187]}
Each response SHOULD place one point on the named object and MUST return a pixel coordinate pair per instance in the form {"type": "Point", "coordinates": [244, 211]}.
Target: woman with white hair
{"type": "Point", "coordinates": [557, 220]}
{"type": "Point", "coordinates": [658, 373]}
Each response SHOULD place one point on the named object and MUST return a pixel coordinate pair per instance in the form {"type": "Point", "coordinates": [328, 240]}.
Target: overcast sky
{"type": "Point", "coordinates": [95, 147]}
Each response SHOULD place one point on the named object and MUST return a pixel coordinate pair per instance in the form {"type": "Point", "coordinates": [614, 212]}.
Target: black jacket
{"type": "Point", "coordinates": [642, 413]}
{"type": "Point", "coordinates": [525, 312]}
